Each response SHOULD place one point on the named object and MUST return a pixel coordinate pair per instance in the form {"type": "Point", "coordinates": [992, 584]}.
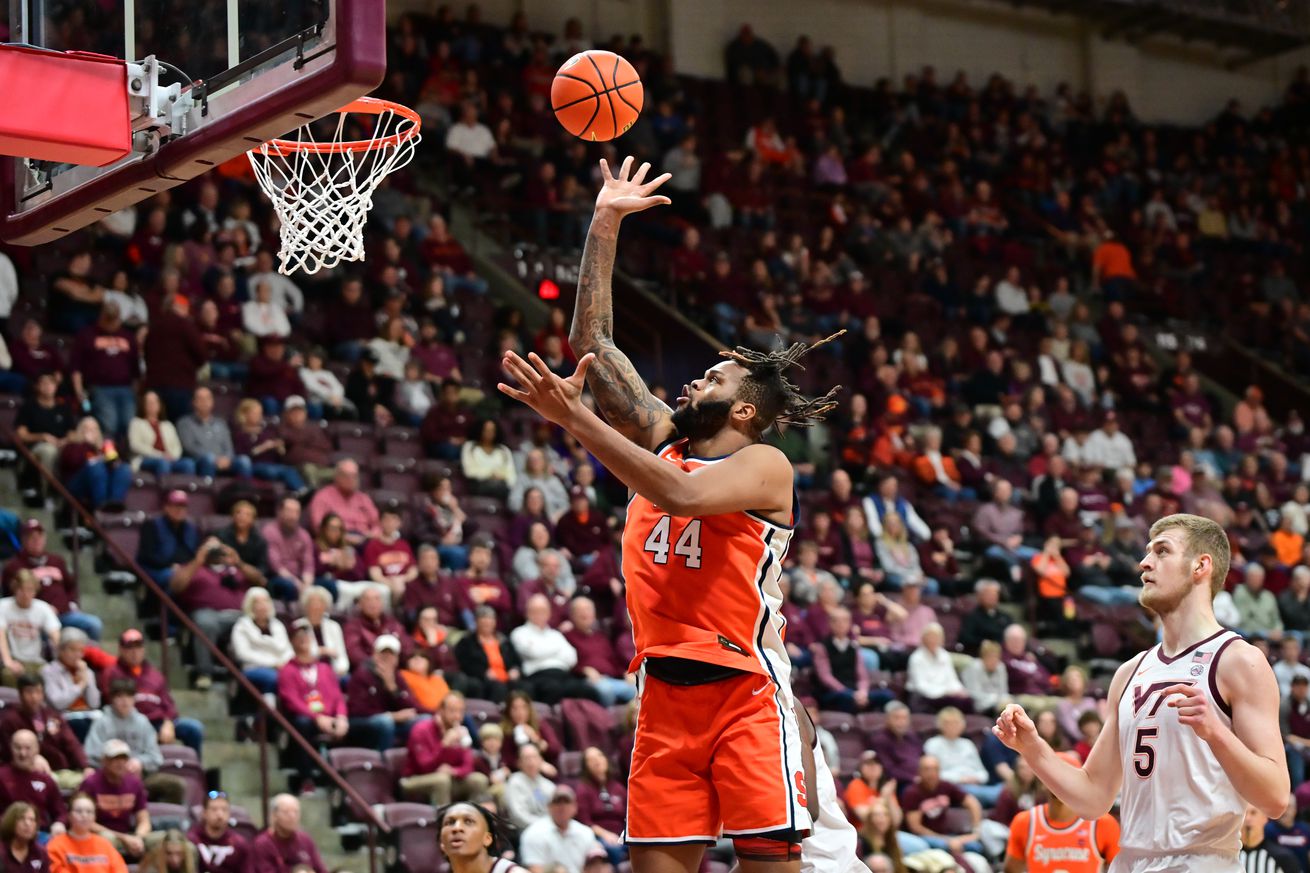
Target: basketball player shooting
{"type": "Point", "coordinates": [1193, 734]}
{"type": "Point", "coordinates": [717, 747]}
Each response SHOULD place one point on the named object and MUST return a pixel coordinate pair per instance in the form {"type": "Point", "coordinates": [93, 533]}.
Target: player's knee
{"type": "Point", "coordinates": [766, 849]}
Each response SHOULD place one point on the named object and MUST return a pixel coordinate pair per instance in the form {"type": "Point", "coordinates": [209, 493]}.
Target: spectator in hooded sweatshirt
{"type": "Point", "coordinates": [121, 721]}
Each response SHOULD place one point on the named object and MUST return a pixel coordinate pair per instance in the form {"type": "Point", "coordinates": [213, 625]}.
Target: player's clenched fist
{"type": "Point", "coordinates": [1194, 709]}
{"type": "Point", "coordinates": [1016, 729]}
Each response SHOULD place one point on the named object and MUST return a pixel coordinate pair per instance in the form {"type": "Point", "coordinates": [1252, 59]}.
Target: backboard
{"type": "Point", "coordinates": [253, 70]}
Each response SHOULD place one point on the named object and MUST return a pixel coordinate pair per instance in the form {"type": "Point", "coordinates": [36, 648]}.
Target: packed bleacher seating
{"type": "Point", "coordinates": [425, 578]}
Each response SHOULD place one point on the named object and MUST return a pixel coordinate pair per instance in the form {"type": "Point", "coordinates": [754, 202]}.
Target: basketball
{"type": "Point", "coordinates": [597, 95]}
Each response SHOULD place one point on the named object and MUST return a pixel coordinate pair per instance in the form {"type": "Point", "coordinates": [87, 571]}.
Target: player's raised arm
{"type": "Point", "coordinates": [621, 394]}
{"type": "Point", "coordinates": [1088, 790]}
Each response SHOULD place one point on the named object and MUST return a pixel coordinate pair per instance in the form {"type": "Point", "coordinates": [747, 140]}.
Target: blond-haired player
{"type": "Point", "coordinates": [1192, 734]}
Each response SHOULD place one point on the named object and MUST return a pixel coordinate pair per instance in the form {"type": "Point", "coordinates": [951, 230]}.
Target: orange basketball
{"type": "Point", "coordinates": [596, 95]}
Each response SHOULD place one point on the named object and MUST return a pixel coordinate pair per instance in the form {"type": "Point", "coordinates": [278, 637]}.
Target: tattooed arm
{"type": "Point", "coordinates": [621, 394]}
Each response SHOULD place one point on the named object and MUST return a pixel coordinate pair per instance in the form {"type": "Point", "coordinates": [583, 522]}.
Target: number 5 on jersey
{"type": "Point", "coordinates": [687, 546]}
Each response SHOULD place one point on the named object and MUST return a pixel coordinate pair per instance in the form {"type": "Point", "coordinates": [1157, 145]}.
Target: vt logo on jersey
{"type": "Point", "coordinates": [1142, 693]}
{"type": "Point", "coordinates": [215, 856]}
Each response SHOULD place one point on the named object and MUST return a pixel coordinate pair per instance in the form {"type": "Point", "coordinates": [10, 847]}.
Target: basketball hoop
{"type": "Point", "coordinates": [323, 191]}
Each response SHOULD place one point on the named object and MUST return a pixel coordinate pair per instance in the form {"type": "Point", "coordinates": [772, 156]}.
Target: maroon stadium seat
{"type": "Point", "coordinates": [396, 760]}
{"type": "Point", "coordinates": [167, 816]}
{"type": "Point", "coordinates": [367, 773]}
{"type": "Point", "coordinates": [482, 711]}
{"type": "Point", "coordinates": [587, 724]}
{"type": "Point", "coordinates": [145, 500]}
{"type": "Point", "coordinates": [182, 762]}
{"type": "Point", "coordinates": [414, 834]}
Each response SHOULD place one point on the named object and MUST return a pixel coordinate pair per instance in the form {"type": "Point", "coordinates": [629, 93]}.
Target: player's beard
{"type": "Point", "coordinates": [703, 420]}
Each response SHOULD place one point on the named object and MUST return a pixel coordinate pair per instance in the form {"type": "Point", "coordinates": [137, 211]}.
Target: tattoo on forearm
{"type": "Point", "coordinates": [593, 314]}
{"type": "Point", "coordinates": [621, 394]}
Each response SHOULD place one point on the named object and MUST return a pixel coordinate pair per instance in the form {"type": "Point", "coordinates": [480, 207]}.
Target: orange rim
{"type": "Point", "coordinates": [365, 106]}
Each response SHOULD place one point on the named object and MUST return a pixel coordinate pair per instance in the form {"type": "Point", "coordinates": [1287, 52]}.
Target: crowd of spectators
{"type": "Point", "coordinates": [318, 474]}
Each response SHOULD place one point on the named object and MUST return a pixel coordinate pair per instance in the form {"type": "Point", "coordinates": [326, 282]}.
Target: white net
{"type": "Point", "coordinates": [323, 189]}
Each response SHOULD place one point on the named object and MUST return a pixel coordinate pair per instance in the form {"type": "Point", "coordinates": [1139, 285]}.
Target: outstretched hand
{"type": "Point", "coordinates": [554, 398]}
{"type": "Point", "coordinates": [630, 192]}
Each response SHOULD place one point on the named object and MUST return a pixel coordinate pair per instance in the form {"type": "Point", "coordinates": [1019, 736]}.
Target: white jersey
{"type": "Point", "coordinates": [833, 844]}
{"type": "Point", "coordinates": [1176, 798]}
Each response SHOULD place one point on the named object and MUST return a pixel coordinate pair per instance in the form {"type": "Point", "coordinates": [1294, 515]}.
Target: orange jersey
{"type": "Point", "coordinates": [1079, 846]}
{"type": "Point", "coordinates": [706, 588]}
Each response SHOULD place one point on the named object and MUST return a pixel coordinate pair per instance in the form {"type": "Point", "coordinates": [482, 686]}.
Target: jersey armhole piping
{"type": "Point", "coordinates": [1213, 678]}
{"type": "Point", "coordinates": [1131, 671]}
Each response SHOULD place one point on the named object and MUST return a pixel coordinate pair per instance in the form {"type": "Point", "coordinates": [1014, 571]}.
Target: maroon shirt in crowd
{"type": "Point", "coordinates": [441, 593]}
{"type": "Point", "coordinates": [271, 377]}
{"type": "Point", "coordinates": [899, 755]}
{"type": "Point", "coordinates": [174, 351]}
{"type": "Point", "coordinates": [116, 803]}
{"type": "Point", "coordinates": [58, 587]}
{"type": "Point", "coordinates": [428, 751]}
{"type": "Point", "coordinates": [361, 634]}
{"type": "Point", "coordinates": [444, 425]}
{"type": "Point", "coordinates": [210, 589]}
{"type": "Point", "coordinates": [272, 854]}
{"type": "Point", "coordinates": [32, 362]}
{"type": "Point", "coordinates": [106, 358]}
{"type": "Point", "coordinates": [604, 806]}
{"type": "Point", "coordinates": [153, 699]}
{"type": "Point", "coordinates": [38, 789]}
{"type": "Point", "coordinates": [582, 535]}
{"type": "Point", "coordinates": [367, 694]}
{"type": "Point", "coordinates": [1026, 674]}
{"type": "Point", "coordinates": [597, 651]}
{"type": "Point", "coordinates": [307, 444]}
{"type": "Point", "coordinates": [559, 601]}
{"type": "Point", "coordinates": [59, 745]}
{"type": "Point", "coordinates": [932, 803]}
{"type": "Point", "coordinates": [226, 854]}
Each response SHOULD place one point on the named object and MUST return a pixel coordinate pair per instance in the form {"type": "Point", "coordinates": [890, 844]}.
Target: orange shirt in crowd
{"type": "Point", "coordinates": [90, 854]}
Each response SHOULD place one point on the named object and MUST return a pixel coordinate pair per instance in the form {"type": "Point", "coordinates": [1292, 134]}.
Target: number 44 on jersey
{"type": "Point", "coordinates": [686, 547]}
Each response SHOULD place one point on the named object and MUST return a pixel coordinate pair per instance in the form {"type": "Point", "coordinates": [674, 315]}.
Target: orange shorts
{"type": "Point", "coordinates": [724, 757]}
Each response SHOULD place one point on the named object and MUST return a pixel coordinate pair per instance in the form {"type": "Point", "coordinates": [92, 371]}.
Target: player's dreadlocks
{"type": "Point", "coordinates": [775, 397]}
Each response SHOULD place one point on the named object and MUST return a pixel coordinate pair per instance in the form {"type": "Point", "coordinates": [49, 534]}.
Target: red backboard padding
{"type": "Point", "coordinates": [67, 107]}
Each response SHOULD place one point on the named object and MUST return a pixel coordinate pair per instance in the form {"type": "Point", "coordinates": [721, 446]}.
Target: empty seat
{"type": "Point", "coordinates": [366, 772]}
{"type": "Point", "coordinates": [413, 833]}
{"type": "Point", "coordinates": [357, 446]}
{"type": "Point", "coordinates": [145, 500]}
{"type": "Point", "coordinates": [169, 816]}
{"type": "Point", "coordinates": [482, 711]}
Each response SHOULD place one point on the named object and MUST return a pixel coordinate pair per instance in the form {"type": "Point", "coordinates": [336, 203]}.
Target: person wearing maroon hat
{"type": "Point", "coordinates": [581, 532]}
{"type": "Point", "coordinates": [174, 352]}
{"type": "Point", "coordinates": [58, 587]}
{"type": "Point", "coordinates": [153, 699]}
{"type": "Point", "coordinates": [169, 541]}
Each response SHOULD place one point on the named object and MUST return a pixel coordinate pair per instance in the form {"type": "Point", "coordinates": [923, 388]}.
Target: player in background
{"type": "Point", "coordinates": [833, 845]}
{"type": "Point", "coordinates": [1051, 838]}
{"type": "Point", "coordinates": [717, 746]}
{"type": "Point", "coordinates": [1192, 735]}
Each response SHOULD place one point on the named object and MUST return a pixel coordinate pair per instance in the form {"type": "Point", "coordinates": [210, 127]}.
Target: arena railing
{"type": "Point", "coordinates": [169, 609]}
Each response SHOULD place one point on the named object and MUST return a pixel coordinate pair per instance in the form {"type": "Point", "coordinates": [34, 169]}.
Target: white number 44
{"type": "Point", "coordinates": [687, 546]}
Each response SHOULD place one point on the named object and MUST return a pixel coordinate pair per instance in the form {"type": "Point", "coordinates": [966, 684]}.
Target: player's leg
{"type": "Point", "coordinates": [759, 776]}
{"type": "Point", "coordinates": [665, 859]}
{"type": "Point", "coordinates": [673, 813]}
